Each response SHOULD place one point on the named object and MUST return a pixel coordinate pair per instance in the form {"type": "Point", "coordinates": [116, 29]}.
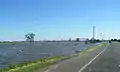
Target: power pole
{"type": "Point", "coordinates": [101, 36]}
{"type": "Point", "coordinates": [93, 33]}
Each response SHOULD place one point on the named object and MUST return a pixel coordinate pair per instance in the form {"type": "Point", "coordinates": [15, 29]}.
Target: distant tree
{"type": "Point", "coordinates": [112, 39]}
{"type": "Point", "coordinates": [30, 37]}
{"type": "Point", "coordinates": [86, 41]}
{"type": "Point", "coordinates": [118, 40]}
{"type": "Point", "coordinates": [97, 40]}
{"type": "Point", "coordinates": [77, 39]}
{"type": "Point", "coordinates": [115, 39]}
{"type": "Point", "coordinates": [69, 39]}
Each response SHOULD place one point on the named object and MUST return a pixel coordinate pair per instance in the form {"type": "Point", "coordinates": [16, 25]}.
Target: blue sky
{"type": "Point", "coordinates": [59, 19]}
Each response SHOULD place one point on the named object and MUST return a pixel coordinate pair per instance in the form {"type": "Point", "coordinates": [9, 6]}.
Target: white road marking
{"type": "Point", "coordinates": [93, 59]}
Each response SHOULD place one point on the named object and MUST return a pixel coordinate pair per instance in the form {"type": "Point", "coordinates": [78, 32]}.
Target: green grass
{"type": "Point", "coordinates": [9, 42]}
{"type": "Point", "coordinates": [91, 48]}
{"type": "Point", "coordinates": [31, 66]}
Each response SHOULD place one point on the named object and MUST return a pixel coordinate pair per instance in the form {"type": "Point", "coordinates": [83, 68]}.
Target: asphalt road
{"type": "Point", "coordinates": [103, 59]}
{"type": "Point", "coordinates": [109, 61]}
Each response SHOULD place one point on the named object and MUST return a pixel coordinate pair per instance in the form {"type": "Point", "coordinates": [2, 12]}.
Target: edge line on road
{"type": "Point", "coordinates": [93, 59]}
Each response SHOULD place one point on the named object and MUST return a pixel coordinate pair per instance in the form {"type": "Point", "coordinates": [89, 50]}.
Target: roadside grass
{"type": "Point", "coordinates": [91, 48]}
{"type": "Point", "coordinates": [9, 42]}
{"type": "Point", "coordinates": [31, 66]}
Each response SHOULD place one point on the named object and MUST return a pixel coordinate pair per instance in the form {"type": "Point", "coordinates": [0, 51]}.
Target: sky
{"type": "Point", "coordinates": [59, 19]}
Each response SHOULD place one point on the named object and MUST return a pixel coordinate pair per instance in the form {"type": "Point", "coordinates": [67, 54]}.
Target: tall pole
{"type": "Point", "coordinates": [93, 32]}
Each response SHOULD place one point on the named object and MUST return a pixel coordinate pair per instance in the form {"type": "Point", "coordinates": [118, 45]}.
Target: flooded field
{"type": "Point", "coordinates": [11, 53]}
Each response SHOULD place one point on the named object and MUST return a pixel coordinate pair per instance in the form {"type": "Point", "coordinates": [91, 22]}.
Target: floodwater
{"type": "Point", "coordinates": [12, 53]}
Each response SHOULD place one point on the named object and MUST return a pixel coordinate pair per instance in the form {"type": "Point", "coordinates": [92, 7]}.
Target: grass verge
{"type": "Point", "coordinates": [31, 66]}
{"type": "Point", "coordinates": [91, 48]}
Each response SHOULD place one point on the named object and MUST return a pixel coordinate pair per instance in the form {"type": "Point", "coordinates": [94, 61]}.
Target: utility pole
{"type": "Point", "coordinates": [93, 33]}
{"type": "Point", "coordinates": [101, 36]}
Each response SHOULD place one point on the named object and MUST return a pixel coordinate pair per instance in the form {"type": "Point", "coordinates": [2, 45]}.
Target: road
{"type": "Point", "coordinates": [104, 59]}
{"type": "Point", "coordinates": [109, 61]}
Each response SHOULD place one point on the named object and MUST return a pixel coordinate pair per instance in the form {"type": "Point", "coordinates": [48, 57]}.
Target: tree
{"type": "Point", "coordinates": [97, 40]}
{"type": "Point", "coordinates": [69, 39]}
{"type": "Point", "coordinates": [30, 37]}
{"type": "Point", "coordinates": [118, 40]}
{"type": "Point", "coordinates": [77, 39]}
{"type": "Point", "coordinates": [112, 39]}
{"type": "Point", "coordinates": [115, 39]}
{"type": "Point", "coordinates": [86, 41]}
